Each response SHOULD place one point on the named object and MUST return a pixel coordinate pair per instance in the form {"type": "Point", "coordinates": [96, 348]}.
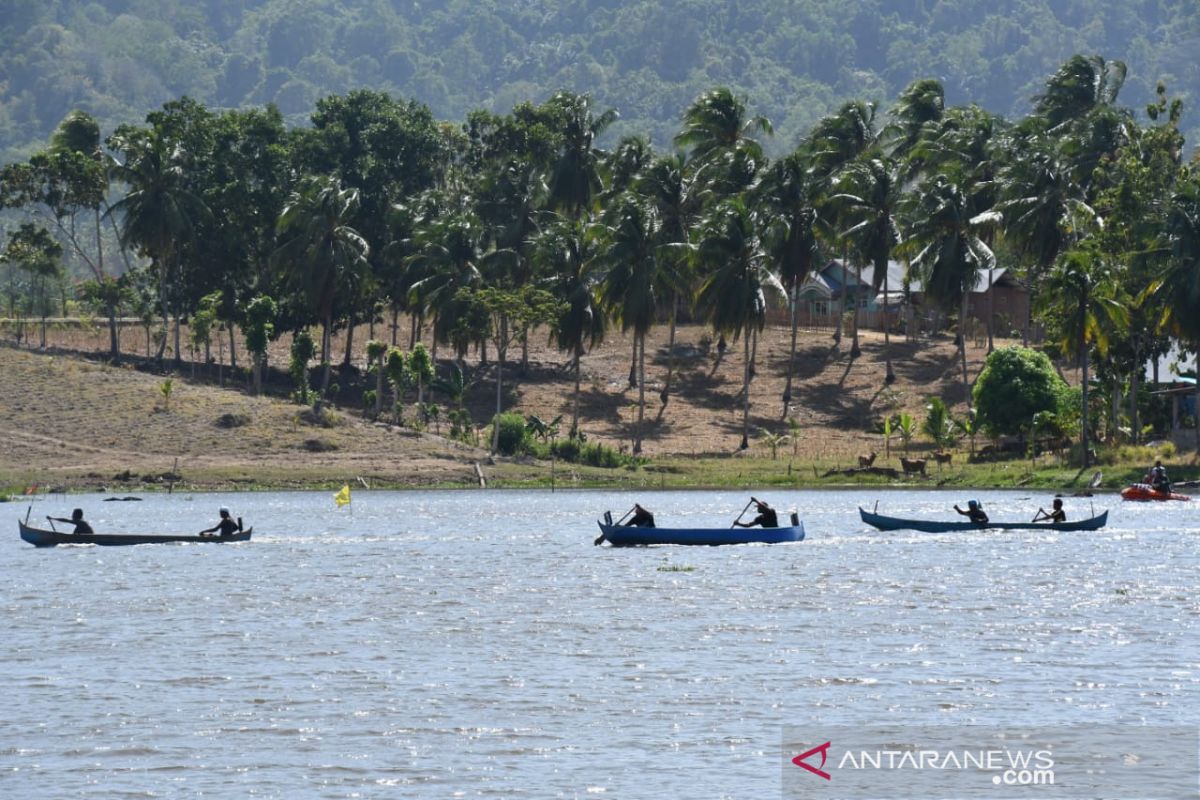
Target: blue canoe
{"type": "Point", "coordinates": [629, 536]}
{"type": "Point", "coordinates": [937, 526]}
{"type": "Point", "coordinates": [43, 538]}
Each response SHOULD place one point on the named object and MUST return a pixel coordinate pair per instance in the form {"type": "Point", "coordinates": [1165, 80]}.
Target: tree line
{"type": "Point", "coordinates": [483, 232]}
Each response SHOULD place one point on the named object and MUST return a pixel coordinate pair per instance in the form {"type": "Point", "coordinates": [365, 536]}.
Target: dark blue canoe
{"type": "Point", "coordinates": [42, 538]}
{"type": "Point", "coordinates": [937, 526]}
{"type": "Point", "coordinates": [629, 536]}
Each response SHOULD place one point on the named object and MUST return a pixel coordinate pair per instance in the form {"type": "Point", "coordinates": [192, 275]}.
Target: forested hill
{"type": "Point", "coordinates": [794, 60]}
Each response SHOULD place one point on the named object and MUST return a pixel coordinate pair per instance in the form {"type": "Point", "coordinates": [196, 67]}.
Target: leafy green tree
{"type": "Point", "coordinates": [421, 369]}
{"type": "Point", "coordinates": [1016, 383]}
{"type": "Point", "coordinates": [302, 351]}
{"type": "Point", "coordinates": [260, 329]}
{"type": "Point", "coordinates": [376, 353]}
{"type": "Point", "coordinates": [399, 376]}
{"type": "Point", "coordinates": [34, 250]}
{"type": "Point", "coordinates": [510, 311]}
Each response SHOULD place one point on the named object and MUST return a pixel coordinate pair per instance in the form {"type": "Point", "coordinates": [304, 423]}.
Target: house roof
{"type": "Point", "coordinates": [827, 282]}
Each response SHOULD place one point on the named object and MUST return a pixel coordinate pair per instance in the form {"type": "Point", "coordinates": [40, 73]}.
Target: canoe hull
{"type": "Point", "coordinates": [885, 523]}
{"type": "Point", "coordinates": [42, 538]}
{"type": "Point", "coordinates": [628, 536]}
{"type": "Point", "coordinates": [1142, 491]}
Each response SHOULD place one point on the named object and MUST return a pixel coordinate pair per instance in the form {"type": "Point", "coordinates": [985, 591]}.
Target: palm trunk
{"type": "Point", "coordinates": [575, 402]}
{"type": "Point", "coordinates": [855, 350]}
{"type": "Point", "coordinates": [837, 331]}
{"type": "Point", "coordinates": [499, 389]}
{"type": "Point", "coordinates": [325, 346]}
{"type": "Point", "coordinates": [232, 350]}
{"type": "Point", "coordinates": [795, 323]}
{"type": "Point", "coordinates": [746, 393]}
{"type": "Point", "coordinates": [665, 395]}
{"type": "Point", "coordinates": [379, 386]}
{"type": "Point", "coordinates": [991, 323]}
{"type": "Point", "coordinates": [889, 375]}
{"type": "Point", "coordinates": [962, 346]}
{"type": "Point", "coordinates": [395, 323]}
{"type": "Point", "coordinates": [349, 355]}
{"type": "Point", "coordinates": [633, 363]}
{"type": "Point", "coordinates": [1134, 379]}
{"type": "Point", "coordinates": [641, 368]}
{"type": "Point", "coordinates": [1084, 432]}
{"type": "Point", "coordinates": [178, 346]}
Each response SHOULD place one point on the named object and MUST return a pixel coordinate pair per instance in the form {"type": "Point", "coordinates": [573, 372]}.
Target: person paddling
{"type": "Point", "coordinates": [227, 526]}
{"type": "Point", "coordinates": [767, 517]}
{"type": "Point", "coordinates": [641, 518]}
{"type": "Point", "coordinates": [974, 512]}
{"type": "Point", "coordinates": [77, 520]}
{"type": "Point", "coordinates": [1056, 513]}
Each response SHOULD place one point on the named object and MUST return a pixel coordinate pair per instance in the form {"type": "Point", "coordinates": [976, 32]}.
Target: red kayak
{"type": "Point", "coordinates": [1143, 491]}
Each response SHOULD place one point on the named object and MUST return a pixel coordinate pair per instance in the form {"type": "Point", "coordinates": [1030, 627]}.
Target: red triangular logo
{"type": "Point", "coordinates": [823, 749]}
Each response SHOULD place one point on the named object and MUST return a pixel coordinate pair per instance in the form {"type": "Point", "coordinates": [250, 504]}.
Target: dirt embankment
{"type": "Point", "coordinates": [79, 422]}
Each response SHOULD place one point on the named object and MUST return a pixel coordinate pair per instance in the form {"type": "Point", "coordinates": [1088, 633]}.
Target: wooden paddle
{"type": "Point", "coordinates": [739, 516]}
{"type": "Point", "coordinates": [600, 539]}
{"type": "Point", "coordinates": [51, 521]}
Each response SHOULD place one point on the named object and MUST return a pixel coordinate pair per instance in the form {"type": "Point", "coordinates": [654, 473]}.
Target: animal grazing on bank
{"type": "Point", "coordinates": [942, 458]}
{"type": "Point", "coordinates": [912, 466]}
{"type": "Point", "coordinates": [866, 461]}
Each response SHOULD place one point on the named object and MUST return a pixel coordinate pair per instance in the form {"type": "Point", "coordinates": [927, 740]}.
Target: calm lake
{"type": "Point", "coordinates": [476, 644]}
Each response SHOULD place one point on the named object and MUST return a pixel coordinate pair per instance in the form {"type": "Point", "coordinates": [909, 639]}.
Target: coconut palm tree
{"type": "Point", "coordinates": [319, 252]}
{"type": "Point", "coordinates": [575, 177]}
{"type": "Point", "coordinates": [733, 296]}
{"type": "Point", "coordinates": [834, 142]}
{"type": "Point", "coordinates": [158, 212]}
{"type": "Point", "coordinates": [1041, 207]}
{"type": "Point", "coordinates": [1081, 292]}
{"type": "Point", "coordinates": [872, 190]}
{"type": "Point", "coordinates": [716, 122]}
{"type": "Point", "coordinates": [789, 198]}
{"type": "Point", "coordinates": [1081, 84]}
{"type": "Point", "coordinates": [918, 110]}
{"type": "Point", "coordinates": [630, 286]}
{"type": "Point", "coordinates": [949, 251]}
{"type": "Point", "coordinates": [566, 250]}
{"type": "Point", "coordinates": [677, 197]}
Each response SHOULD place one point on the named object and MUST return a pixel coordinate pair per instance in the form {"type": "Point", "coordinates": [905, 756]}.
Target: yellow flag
{"type": "Point", "coordinates": [342, 497]}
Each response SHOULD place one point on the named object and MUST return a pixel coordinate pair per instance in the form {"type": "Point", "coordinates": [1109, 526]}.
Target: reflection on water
{"type": "Point", "coordinates": [477, 642]}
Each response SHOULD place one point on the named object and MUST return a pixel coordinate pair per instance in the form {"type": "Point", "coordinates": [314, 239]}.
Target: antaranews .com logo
{"type": "Point", "coordinates": [1070, 762]}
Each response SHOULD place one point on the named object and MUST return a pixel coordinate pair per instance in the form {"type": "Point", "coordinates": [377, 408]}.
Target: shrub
{"type": "Point", "coordinates": [232, 420]}
{"type": "Point", "coordinates": [512, 436]}
{"type": "Point", "coordinates": [1015, 384]}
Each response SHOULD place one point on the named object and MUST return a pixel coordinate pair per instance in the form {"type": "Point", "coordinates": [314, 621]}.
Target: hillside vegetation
{"type": "Point", "coordinates": [796, 60]}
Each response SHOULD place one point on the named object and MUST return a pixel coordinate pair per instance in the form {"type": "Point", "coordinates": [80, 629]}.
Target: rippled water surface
{"type": "Point", "coordinates": [471, 644]}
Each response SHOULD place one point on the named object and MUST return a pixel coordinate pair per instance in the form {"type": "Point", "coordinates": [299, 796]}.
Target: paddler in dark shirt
{"type": "Point", "coordinates": [77, 520]}
{"type": "Point", "coordinates": [227, 526]}
{"type": "Point", "coordinates": [974, 512]}
{"type": "Point", "coordinates": [641, 518]}
{"type": "Point", "coordinates": [767, 517]}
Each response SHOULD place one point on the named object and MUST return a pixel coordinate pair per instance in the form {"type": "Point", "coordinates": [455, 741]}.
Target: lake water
{"type": "Point", "coordinates": [476, 644]}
